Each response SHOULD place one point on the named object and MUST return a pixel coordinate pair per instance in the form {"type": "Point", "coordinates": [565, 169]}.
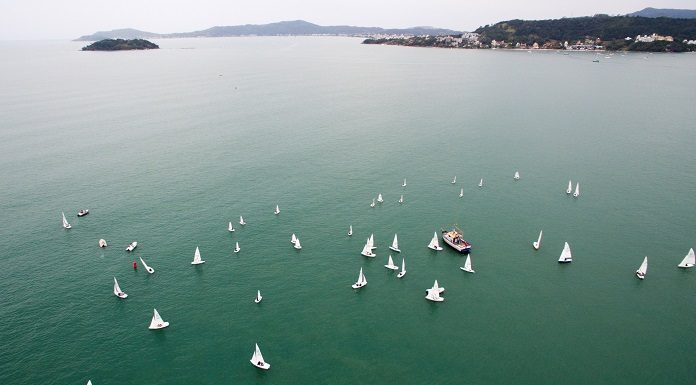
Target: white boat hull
{"type": "Point", "coordinates": [122, 295]}
{"type": "Point", "coordinates": [395, 249]}
{"type": "Point", "coordinates": [401, 274]}
{"type": "Point", "coordinates": [535, 245]}
{"type": "Point", "coordinates": [356, 286]}
{"type": "Point", "coordinates": [392, 267]}
{"type": "Point", "coordinates": [436, 248]}
{"type": "Point", "coordinates": [467, 270]}
{"type": "Point", "coordinates": [198, 263]}
{"type": "Point", "coordinates": [159, 326]}
{"type": "Point", "coordinates": [368, 254]}
{"type": "Point", "coordinates": [261, 365]}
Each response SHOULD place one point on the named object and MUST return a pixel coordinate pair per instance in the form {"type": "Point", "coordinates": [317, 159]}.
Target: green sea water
{"type": "Point", "coordinates": [166, 146]}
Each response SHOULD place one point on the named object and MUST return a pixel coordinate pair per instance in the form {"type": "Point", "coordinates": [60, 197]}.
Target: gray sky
{"type": "Point", "coordinates": [68, 19]}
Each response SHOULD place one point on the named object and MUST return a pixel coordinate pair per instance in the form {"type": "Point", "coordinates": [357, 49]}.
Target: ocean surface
{"type": "Point", "coordinates": [167, 146]}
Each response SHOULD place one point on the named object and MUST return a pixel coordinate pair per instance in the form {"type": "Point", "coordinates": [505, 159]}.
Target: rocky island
{"type": "Point", "coordinates": [120, 45]}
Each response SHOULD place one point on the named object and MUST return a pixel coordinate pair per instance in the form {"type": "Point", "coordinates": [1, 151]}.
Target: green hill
{"type": "Point", "coordinates": [120, 45]}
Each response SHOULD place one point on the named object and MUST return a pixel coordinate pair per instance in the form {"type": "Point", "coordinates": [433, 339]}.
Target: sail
{"type": "Point", "coordinates": [117, 289]}
{"type": "Point", "coordinates": [517, 175]}
{"type": "Point", "coordinates": [570, 187]}
{"type": "Point", "coordinates": [257, 355]}
{"type": "Point", "coordinates": [566, 255]}
{"type": "Point", "coordinates": [350, 230]}
{"type": "Point", "coordinates": [367, 251]}
{"type": "Point", "coordinates": [643, 269]}
{"type": "Point", "coordinates": [197, 257]}
{"type": "Point", "coordinates": [540, 234]}
{"type": "Point", "coordinates": [157, 321]}
{"type": "Point", "coordinates": [401, 199]}
{"type": "Point", "coordinates": [277, 210]}
{"type": "Point", "coordinates": [371, 241]}
{"type": "Point", "coordinates": [379, 198]}
{"type": "Point", "coordinates": [390, 262]}
{"type": "Point", "coordinates": [481, 183]}
{"type": "Point", "coordinates": [230, 227]}
{"type": "Point", "coordinates": [461, 192]}
{"type": "Point", "coordinates": [293, 238]}
{"type": "Point", "coordinates": [258, 295]}
{"type": "Point", "coordinates": [65, 221]}
{"type": "Point", "coordinates": [404, 184]}
{"type": "Point", "coordinates": [577, 190]}
{"type": "Point", "coordinates": [297, 243]}
{"type": "Point", "coordinates": [360, 277]}
{"type": "Point", "coordinates": [236, 247]}
{"type": "Point", "coordinates": [434, 243]}
{"type": "Point", "coordinates": [241, 220]}
{"type": "Point", "coordinates": [467, 263]}
{"type": "Point", "coordinates": [395, 243]}
{"type": "Point", "coordinates": [689, 260]}
{"type": "Point", "coordinates": [454, 180]}
{"type": "Point", "coordinates": [403, 265]}
{"type": "Point", "coordinates": [363, 280]}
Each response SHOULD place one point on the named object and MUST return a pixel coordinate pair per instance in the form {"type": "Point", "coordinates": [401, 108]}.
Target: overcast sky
{"type": "Point", "coordinates": [68, 19]}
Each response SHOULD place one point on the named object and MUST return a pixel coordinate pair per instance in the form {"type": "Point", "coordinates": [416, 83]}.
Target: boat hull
{"type": "Point", "coordinates": [262, 365]}
{"type": "Point", "coordinates": [401, 274]}
{"type": "Point", "coordinates": [159, 326]}
{"type": "Point", "coordinates": [395, 249]}
{"type": "Point", "coordinates": [356, 286]}
{"type": "Point", "coordinates": [565, 261]}
{"type": "Point", "coordinates": [467, 270]}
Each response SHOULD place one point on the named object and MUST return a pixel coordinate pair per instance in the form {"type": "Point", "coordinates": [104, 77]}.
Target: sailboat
{"type": "Point", "coordinates": [230, 228]}
{"type": "Point", "coordinates": [367, 250]}
{"type": "Point", "coordinates": [404, 184]}
{"type": "Point", "coordinates": [373, 203]}
{"type": "Point", "coordinates": [258, 361]}
{"type": "Point", "coordinates": [89, 382]}
{"type": "Point", "coordinates": [689, 260]}
{"type": "Point", "coordinates": [434, 293]}
{"type": "Point", "coordinates": [401, 198]}
{"type": "Point", "coordinates": [570, 187]}
{"type": "Point", "coordinates": [577, 190]}
{"type": "Point", "coordinates": [350, 230]}
{"type": "Point", "coordinates": [66, 225]}
{"type": "Point", "coordinates": [371, 241]}
{"type": "Point", "coordinates": [197, 257]}
{"type": "Point", "coordinates": [258, 296]}
{"type": "Point", "coordinates": [147, 268]}
{"type": "Point", "coordinates": [297, 244]}
{"type": "Point", "coordinates": [395, 245]}
{"type": "Point", "coordinates": [379, 198]}
{"type": "Point", "coordinates": [157, 321]}
{"type": "Point", "coordinates": [643, 269]}
{"type": "Point", "coordinates": [403, 268]}
{"type": "Point", "coordinates": [537, 244]}
{"type": "Point", "coordinates": [293, 239]}
{"type": "Point", "coordinates": [454, 180]}
{"type": "Point", "coordinates": [461, 192]}
{"type": "Point", "coordinates": [517, 175]}
{"type": "Point", "coordinates": [241, 221]}
{"type": "Point", "coordinates": [236, 247]}
{"type": "Point", "coordinates": [434, 243]}
{"type": "Point", "coordinates": [117, 290]}
{"type": "Point", "coordinates": [131, 246]}
{"type": "Point", "coordinates": [362, 281]}
{"type": "Point", "coordinates": [277, 210]}
{"type": "Point", "coordinates": [102, 242]}
{"type": "Point", "coordinates": [566, 256]}
{"type": "Point", "coordinates": [481, 183]}
{"type": "Point", "coordinates": [390, 264]}
{"type": "Point", "coordinates": [467, 265]}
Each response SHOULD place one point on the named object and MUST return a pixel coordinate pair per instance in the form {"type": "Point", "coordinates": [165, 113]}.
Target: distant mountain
{"type": "Point", "coordinates": [671, 13]}
{"type": "Point", "coordinates": [297, 27]}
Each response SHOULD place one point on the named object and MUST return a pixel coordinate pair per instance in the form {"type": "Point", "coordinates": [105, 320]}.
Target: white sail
{"type": "Point", "coordinates": [350, 230]}
{"type": "Point", "coordinates": [481, 183]}
{"type": "Point", "coordinates": [362, 281]}
{"type": "Point", "coordinates": [297, 244]}
{"type": "Point", "coordinates": [372, 241]}
{"type": "Point", "coordinates": [241, 221]}
{"type": "Point", "coordinates": [102, 242]}
{"type": "Point", "coordinates": [277, 210]}
{"type": "Point", "coordinates": [390, 264]}
{"type": "Point", "coordinates": [537, 244]}
{"type": "Point", "coordinates": [197, 257]}
{"type": "Point", "coordinates": [689, 260]}
{"type": "Point", "coordinates": [404, 184]}
{"type": "Point", "coordinates": [157, 321]}
{"type": "Point", "coordinates": [89, 382]}
{"type": "Point", "coordinates": [403, 268]}
{"type": "Point", "coordinates": [643, 269]}
{"type": "Point", "coordinates": [293, 238]}
{"type": "Point", "coordinates": [395, 244]}
{"type": "Point", "coordinates": [570, 187]}
{"type": "Point", "coordinates": [117, 290]}
{"type": "Point", "coordinates": [66, 225]}
{"type": "Point", "coordinates": [566, 256]}
{"type": "Point", "coordinates": [467, 265]}
{"type": "Point", "coordinates": [454, 180]}
{"type": "Point", "coordinates": [147, 268]}
{"type": "Point", "coordinates": [367, 251]}
{"type": "Point", "coordinates": [373, 203]}
{"type": "Point", "coordinates": [230, 228]}
{"type": "Point", "coordinates": [434, 243]}
{"type": "Point", "coordinates": [401, 199]}
{"type": "Point", "coordinates": [434, 293]}
{"type": "Point", "coordinates": [257, 359]}
{"type": "Point", "coordinates": [461, 192]}
{"type": "Point", "coordinates": [517, 175]}
{"type": "Point", "coordinates": [258, 296]}
{"type": "Point", "coordinates": [236, 247]}
{"type": "Point", "coordinates": [577, 190]}
{"type": "Point", "coordinates": [379, 198]}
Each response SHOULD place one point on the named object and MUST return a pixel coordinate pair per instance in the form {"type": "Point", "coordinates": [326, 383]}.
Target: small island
{"type": "Point", "coordinates": [120, 45]}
